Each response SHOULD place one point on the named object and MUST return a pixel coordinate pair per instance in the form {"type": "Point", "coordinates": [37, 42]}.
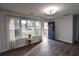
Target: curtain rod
{"type": "Point", "coordinates": [18, 16]}
{"type": "Point", "coordinates": [23, 17]}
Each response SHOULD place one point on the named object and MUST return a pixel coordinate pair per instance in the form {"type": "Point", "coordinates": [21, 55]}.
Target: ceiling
{"type": "Point", "coordinates": [38, 8]}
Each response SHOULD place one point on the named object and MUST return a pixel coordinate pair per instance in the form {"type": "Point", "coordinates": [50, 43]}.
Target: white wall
{"type": "Point", "coordinates": [3, 30]}
{"type": "Point", "coordinates": [64, 28]}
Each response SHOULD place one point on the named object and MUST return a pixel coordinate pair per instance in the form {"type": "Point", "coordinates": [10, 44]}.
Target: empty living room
{"type": "Point", "coordinates": [39, 29]}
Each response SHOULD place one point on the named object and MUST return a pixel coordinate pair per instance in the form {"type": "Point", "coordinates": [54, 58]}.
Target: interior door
{"type": "Point", "coordinates": [51, 30]}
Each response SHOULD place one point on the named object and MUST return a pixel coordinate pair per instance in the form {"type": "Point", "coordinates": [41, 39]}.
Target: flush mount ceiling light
{"type": "Point", "coordinates": [51, 10]}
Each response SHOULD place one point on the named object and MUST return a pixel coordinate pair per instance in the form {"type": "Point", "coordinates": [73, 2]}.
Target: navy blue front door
{"type": "Point", "coordinates": [51, 30]}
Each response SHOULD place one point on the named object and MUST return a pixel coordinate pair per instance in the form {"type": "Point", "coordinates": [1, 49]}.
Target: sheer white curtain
{"type": "Point", "coordinates": [11, 31]}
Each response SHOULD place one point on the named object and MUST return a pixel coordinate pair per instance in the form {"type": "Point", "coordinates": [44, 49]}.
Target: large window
{"type": "Point", "coordinates": [22, 28]}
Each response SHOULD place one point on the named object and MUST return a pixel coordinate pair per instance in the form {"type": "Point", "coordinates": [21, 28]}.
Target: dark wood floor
{"type": "Point", "coordinates": [19, 51]}
{"type": "Point", "coordinates": [54, 48]}
{"type": "Point", "coordinates": [46, 48]}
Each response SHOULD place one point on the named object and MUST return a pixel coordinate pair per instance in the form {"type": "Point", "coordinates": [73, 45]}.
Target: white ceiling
{"type": "Point", "coordinates": [38, 8]}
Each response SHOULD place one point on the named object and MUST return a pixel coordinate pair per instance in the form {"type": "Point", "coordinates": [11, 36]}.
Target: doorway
{"type": "Point", "coordinates": [49, 30]}
{"type": "Point", "coordinates": [45, 32]}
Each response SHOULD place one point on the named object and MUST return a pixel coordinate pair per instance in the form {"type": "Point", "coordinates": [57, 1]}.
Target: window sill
{"type": "Point", "coordinates": [25, 38]}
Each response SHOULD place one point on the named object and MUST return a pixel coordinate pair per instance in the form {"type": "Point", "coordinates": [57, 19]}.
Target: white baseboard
{"type": "Point", "coordinates": [65, 41]}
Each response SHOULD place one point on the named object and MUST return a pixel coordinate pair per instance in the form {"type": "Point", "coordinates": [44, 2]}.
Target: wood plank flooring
{"type": "Point", "coordinates": [54, 48]}
{"type": "Point", "coordinates": [46, 48]}
{"type": "Point", "coordinates": [19, 51]}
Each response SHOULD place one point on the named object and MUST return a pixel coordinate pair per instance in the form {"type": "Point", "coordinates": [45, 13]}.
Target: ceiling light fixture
{"type": "Point", "coordinates": [51, 10]}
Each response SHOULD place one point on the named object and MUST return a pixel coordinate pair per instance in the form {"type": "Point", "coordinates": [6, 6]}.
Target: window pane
{"type": "Point", "coordinates": [27, 28]}
{"type": "Point", "coordinates": [38, 28]}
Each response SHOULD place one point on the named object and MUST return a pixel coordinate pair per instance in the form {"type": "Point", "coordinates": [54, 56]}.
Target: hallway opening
{"type": "Point", "coordinates": [45, 32]}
